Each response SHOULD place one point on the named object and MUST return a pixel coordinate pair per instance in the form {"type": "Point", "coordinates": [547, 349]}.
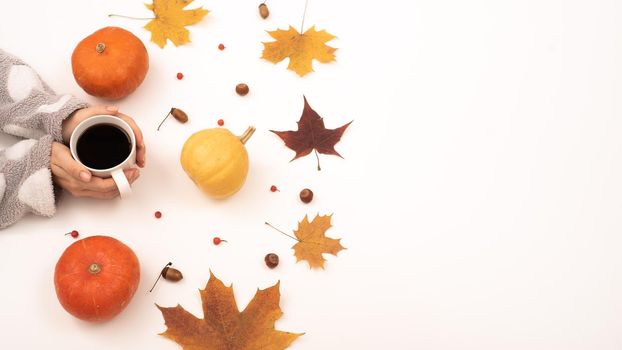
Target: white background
{"type": "Point", "coordinates": [479, 198]}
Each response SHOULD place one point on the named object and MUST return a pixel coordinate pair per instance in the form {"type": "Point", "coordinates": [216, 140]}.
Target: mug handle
{"type": "Point", "coordinates": [122, 184]}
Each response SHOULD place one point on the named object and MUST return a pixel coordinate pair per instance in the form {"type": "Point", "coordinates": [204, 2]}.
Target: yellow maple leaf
{"type": "Point", "coordinates": [312, 241]}
{"type": "Point", "coordinates": [223, 326]}
{"type": "Point", "coordinates": [300, 48]}
{"type": "Point", "coordinates": [170, 21]}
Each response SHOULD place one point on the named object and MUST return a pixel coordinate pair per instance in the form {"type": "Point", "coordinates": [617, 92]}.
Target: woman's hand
{"type": "Point", "coordinates": [73, 177]}
{"type": "Point", "coordinates": [78, 116]}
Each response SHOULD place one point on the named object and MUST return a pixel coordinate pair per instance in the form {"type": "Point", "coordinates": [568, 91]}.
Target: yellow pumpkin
{"type": "Point", "coordinates": [217, 161]}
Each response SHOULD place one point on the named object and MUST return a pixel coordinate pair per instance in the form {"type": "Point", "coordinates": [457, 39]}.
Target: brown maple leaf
{"type": "Point", "coordinates": [312, 241]}
{"type": "Point", "coordinates": [312, 134]}
{"type": "Point", "coordinates": [300, 48]}
{"type": "Point", "coordinates": [223, 326]}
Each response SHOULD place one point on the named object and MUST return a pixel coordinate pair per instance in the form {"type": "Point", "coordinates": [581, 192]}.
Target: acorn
{"type": "Point", "coordinates": [306, 195]}
{"type": "Point", "coordinates": [170, 274]}
{"type": "Point", "coordinates": [178, 114]}
{"type": "Point", "coordinates": [263, 10]}
{"type": "Point", "coordinates": [242, 89]}
{"type": "Point", "coordinates": [271, 260]}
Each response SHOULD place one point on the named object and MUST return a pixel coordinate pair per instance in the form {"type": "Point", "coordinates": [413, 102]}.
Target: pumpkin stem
{"type": "Point", "coordinates": [247, 134]}
{"type": "Point", "coordinates": [94, 268]}
{"type": "Point", "coordinates": [100, 47]}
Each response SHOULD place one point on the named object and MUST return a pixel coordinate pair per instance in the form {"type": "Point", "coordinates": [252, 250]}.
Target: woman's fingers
{"type": "Point", "coordinates": [69, 175]}
{"type": "Point", "coordinates": [141, 150]}
{"type": "Point", "coordinates": [132, 174]}
{"type": "Point", "coordinates": [101, 185]}
{"type": "Point", "coordinates": [98, 188]}
{"type": "Point", "coordinates": [80, 115]}
{"type": "Point", "coordinates": [106, 185]}
{"type": "Point", "coordinates": [61, 157]}
{"type": "Point", "coordinates": [141, 155]}
{"type": "Point", "coordinates": [98, 195]}
{"type": "Point", "coordinates": [102, 110]}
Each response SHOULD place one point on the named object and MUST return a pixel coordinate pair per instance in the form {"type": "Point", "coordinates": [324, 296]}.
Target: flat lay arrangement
{"type": "Point", "coordinates": [305, 174]}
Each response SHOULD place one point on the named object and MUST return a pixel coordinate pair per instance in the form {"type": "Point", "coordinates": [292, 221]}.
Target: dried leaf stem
{"type": "Point", "coordinates": [130, 17]}
{"type": "Point", "coordinates": [318, 160]}
{"type": "Point", "coordinates": [304, 14]}
{"type": "Point", "coordinates": [163, 120]}
{"type": "Point", "coordinates": [290, 236]}
{"type": "Point", "coordinates": [160, 275]}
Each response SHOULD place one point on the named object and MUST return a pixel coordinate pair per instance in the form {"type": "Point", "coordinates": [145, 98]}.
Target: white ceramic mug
{"type": "Point", "coordinates": [115, 172]}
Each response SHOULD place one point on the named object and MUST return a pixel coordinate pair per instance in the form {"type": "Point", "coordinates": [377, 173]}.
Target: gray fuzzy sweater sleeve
{"type": "Point", "coordinates": [31, 110]}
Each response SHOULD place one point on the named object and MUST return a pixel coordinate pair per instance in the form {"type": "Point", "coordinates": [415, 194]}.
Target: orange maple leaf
{"type": "Point", "coordinates": [300, 48]}
{"type": "Point", "coordinates": [223, 326]}
{"type": "Point", "coordinates": [312, 241]}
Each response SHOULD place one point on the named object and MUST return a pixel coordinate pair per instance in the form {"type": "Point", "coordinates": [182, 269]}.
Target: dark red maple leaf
{"type": "Point", "coordinates": [312, 135]}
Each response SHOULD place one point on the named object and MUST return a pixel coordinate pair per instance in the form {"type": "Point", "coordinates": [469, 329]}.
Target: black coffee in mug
{"type": "Point", "coordinates": [103, 146]}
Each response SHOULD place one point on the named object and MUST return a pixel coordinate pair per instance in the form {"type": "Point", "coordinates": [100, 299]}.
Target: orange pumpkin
{"type": "Point", "coordinates": [96, 277]}
{"type": "Point", "coordinates": [110, 63]}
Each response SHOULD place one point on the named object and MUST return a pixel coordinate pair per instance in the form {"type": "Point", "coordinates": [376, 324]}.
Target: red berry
{"type": "Point", "coordinates": [217, 240]}
{"type": "Point", "coordinates": [273, 188]}
{"type": "Point", "coordinates": [180, 76]}
{"type": "Point", "coordinates": [158, 214]}
{"type": "Point", "coordinates": [221, 47]}
{"type": "Point", "coordinates": [73, 234]}
{"type": "Point", "coordinates": [221, 122]}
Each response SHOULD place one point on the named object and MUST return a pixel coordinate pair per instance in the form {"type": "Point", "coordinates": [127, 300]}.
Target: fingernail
{"type": "Point", "coordinates": [112, 108]}
{"type": "Point", "coordinates": [85, 176]}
